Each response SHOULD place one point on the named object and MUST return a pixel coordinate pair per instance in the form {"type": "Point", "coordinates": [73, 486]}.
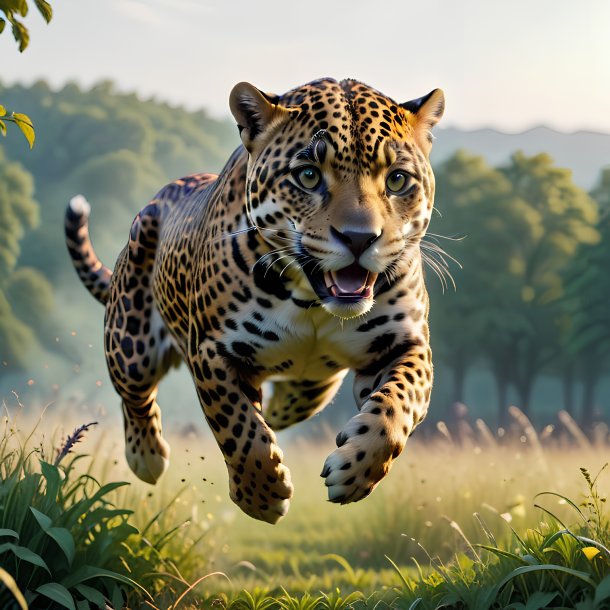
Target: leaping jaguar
{"type": "Point", "coordinates": [298, 262]}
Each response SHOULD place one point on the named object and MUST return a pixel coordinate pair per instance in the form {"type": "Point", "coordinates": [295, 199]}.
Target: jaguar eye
{"type": "Point", "coordinates": [308, 177]}
{"type": "Point", "coordinates": [398, 182]}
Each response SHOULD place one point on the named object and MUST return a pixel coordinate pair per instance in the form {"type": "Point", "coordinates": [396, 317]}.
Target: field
{"type": "Point", "coordinates": [415, 538]}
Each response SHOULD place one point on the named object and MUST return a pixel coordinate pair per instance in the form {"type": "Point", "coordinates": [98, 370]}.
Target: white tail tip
{"type": "Point", "coordinates": [79, 205]}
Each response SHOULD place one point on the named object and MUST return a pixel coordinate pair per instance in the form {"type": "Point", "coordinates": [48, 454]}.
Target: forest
{"type": "Point", "coordinates": [517, 255]}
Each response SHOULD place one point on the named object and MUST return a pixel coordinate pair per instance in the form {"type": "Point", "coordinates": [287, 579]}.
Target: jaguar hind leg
{"type": "Point", "coordinates": [138, 349]}
{"type": "Point", "coordinates": [298, 399]}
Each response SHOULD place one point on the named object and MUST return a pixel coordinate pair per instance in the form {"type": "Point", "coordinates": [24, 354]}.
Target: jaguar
{"type": "Point", "coordinates": [300, 261]}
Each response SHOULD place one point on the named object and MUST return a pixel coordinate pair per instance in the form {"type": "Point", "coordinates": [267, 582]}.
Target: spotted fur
{"type": "Point", "coordinates": [256, 275]}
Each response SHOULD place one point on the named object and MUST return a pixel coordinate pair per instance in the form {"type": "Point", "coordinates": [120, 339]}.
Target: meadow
{"type": "Point", "coordinates": [459, 523]}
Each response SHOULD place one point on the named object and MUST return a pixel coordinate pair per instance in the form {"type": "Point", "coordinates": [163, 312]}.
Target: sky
{"type": "Point", "coordinates": [510, 65]}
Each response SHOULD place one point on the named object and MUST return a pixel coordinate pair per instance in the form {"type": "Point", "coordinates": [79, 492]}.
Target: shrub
{"type": "Point", "coordinates": [62, 542]}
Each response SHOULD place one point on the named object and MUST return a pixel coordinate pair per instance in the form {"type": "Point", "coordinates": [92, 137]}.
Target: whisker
{"type": "Point", "coordinates": [440, 257]}
{"type": "Point", "coordinates": [437, 272]}
{"type": "Point", "coordinates": [442, 269]}
{"type": "Point", "coordinates": [257, 228]}
{"type": "Point", "coordinates": [270, 253]}
{"type": "Point", "coordinates": [437, 236]}
{"type": "Point", "coordinates": [232, 234]}
{"type": "Point", "coordinates": [270, 262]}
{"type": "Point", "coordinates": [286, 267]}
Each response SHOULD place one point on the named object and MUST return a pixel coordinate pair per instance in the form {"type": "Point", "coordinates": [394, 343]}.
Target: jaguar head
{"type": "Point", "coordinates": [339, 184]}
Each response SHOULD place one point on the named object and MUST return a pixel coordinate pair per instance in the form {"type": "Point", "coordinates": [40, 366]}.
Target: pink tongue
{"type": "Point", "coordinates": [351, 279]}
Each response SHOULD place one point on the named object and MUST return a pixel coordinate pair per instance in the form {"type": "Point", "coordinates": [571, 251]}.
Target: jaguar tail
{"type": "Point", "coordinates": [90, 269]}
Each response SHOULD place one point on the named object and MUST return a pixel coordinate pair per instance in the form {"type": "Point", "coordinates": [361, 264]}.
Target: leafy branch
{"type": "Point", "coordinates": [22, 121]}
{"type": "Point", "coordinates": [12, 9]}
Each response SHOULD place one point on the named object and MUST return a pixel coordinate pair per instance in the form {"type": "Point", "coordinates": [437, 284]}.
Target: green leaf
{"type": "Point", "coordinates": [44, 521]}
{"type": "Point", "coordinates": [9, 582]}
{"type": "Point", "coordinates": [20, 34]}
{"type": "Point", "coordinates": [64, 540]}
{"type": "Point", "coordinates": [58, 593]}
{"type": "Point", "coordinates": [7, 532]}
{"type": "Point", "coordinates": [45, 9]}
{"type": "Point", "coordinates": [117, 598]}
{"type": "Point", "coordinates": [23, 553]}
{"type": "Point", "coordinates": [603, 590]}
{"type": "Point", "coordinates": [53, 475]}
{"type": "Point", "coordinates": [584, 576]}
{"type": "Point", "coordinates": [24, 123]}
{"type": "Point", "coordinates": [82, 507]}
{"type": "Point", "coordinates": [61, 535]}
{"type": "Point", "coordinates": [2, 25]}
{"type": "Point", "coordinates": [502, 553]}
{"type": "Point", "coordinates": [540, 600]}
{"type": "Point", "coordinates": [92, 595]}
{"type": "Point", "coordinates": [88, 572]}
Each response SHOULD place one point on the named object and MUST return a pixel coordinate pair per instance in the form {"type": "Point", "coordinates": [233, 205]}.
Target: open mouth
{"type": "Point", "coordinates": [350, 284]}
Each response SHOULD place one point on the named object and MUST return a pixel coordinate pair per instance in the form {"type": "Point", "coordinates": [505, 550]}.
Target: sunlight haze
{"type": "Point", "coordinates": [505, 65]}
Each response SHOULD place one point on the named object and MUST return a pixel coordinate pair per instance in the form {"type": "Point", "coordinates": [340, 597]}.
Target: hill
{"type": "Point", "coordinates": [584, 152]}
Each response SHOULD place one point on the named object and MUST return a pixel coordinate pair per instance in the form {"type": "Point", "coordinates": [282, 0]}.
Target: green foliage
{"type": "Point", "coordinates": [18, 212]}
{"type": "Point", "coordinates": [540, 564]}
{"type": "Point", "coordinates": [525, 222]}
{"type": "Point", "coordinates": [60, 537]}
{"type": "Point", "coordinates": [13, 9]}
{"type": "Point", "coordinates": [22, 121]}
{"type": "Point", "coordinates": [551, 566]}
{"type": "Point", "coordinates": [587, 316]}
{"type": "Point", "coordinates": [26, 297]}
{"type": "Point", "coordinates": [116, 149]}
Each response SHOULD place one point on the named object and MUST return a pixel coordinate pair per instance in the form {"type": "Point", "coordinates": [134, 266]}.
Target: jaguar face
{"type": "Point", "coordinates": [339, 184]}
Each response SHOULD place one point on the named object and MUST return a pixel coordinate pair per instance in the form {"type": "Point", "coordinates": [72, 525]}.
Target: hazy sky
{"type": "Point", "coordinates": [507, 64]}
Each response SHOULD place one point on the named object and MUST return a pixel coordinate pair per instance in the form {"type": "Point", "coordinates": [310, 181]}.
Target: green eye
{"type": "Point", "coordinates": [308, 177]}
{"type": "Point", "coordinates": [397, 182]}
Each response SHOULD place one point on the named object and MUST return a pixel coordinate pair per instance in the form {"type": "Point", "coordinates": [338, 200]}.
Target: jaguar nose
{"type": "Point", "coordinates": [356, 241]}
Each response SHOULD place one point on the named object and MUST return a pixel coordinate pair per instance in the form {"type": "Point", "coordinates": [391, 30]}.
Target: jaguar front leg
{"type": "Point", "coordinates": [258, 481]}
{"type": "Point", "coordinates": [393, 394]}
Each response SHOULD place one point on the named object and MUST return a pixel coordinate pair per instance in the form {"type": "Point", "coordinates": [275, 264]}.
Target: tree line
{"type": "Point", "coordinates": [531, 294]}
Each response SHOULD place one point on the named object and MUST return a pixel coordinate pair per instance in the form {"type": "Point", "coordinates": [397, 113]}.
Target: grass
{"type": "Point", "coordinates": [457, 525]}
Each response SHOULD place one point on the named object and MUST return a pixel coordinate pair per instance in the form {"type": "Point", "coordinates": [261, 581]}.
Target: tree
{"type": "Point", "coordinates": [18, 212]}
{"type": "Point", "coordinates": [563, 218]}
{"type": "Point", "coordinates": [116, 149]}
{"type": "Point", "coordinates": [523, 223]}
{"type": "Point", "coordinates": [587, 297]}
{"type": "Point", "coordinates": [467, 189]}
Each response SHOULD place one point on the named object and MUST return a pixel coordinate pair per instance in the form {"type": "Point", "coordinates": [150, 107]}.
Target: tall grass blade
{"type": "Point", "coordinates": [486, 529]}
{"type": "Point", "coordinates": [9, 582]}
{"type": "Point", "coordinates": [565, 499]}
{"type": "Point", "coordinates": [400, 574]}
{"type": "Point", "coordinates": [193, 585]}
{"type": "Point", "coordinates": [574, 429]}
{"type": "Point", "coordinates": [343, 563]}
{"type": "Point", "coordinates": [546, 567]}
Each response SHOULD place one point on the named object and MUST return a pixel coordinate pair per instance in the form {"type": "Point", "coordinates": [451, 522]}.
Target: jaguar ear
{"type": "Point", "coordinates": [426, 112]}
{"type": "Point", "coordinates": [254, 112]}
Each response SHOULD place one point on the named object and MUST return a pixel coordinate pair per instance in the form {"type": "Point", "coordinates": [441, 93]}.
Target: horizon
{"type": "Point", "coordinates": [227, 117]}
